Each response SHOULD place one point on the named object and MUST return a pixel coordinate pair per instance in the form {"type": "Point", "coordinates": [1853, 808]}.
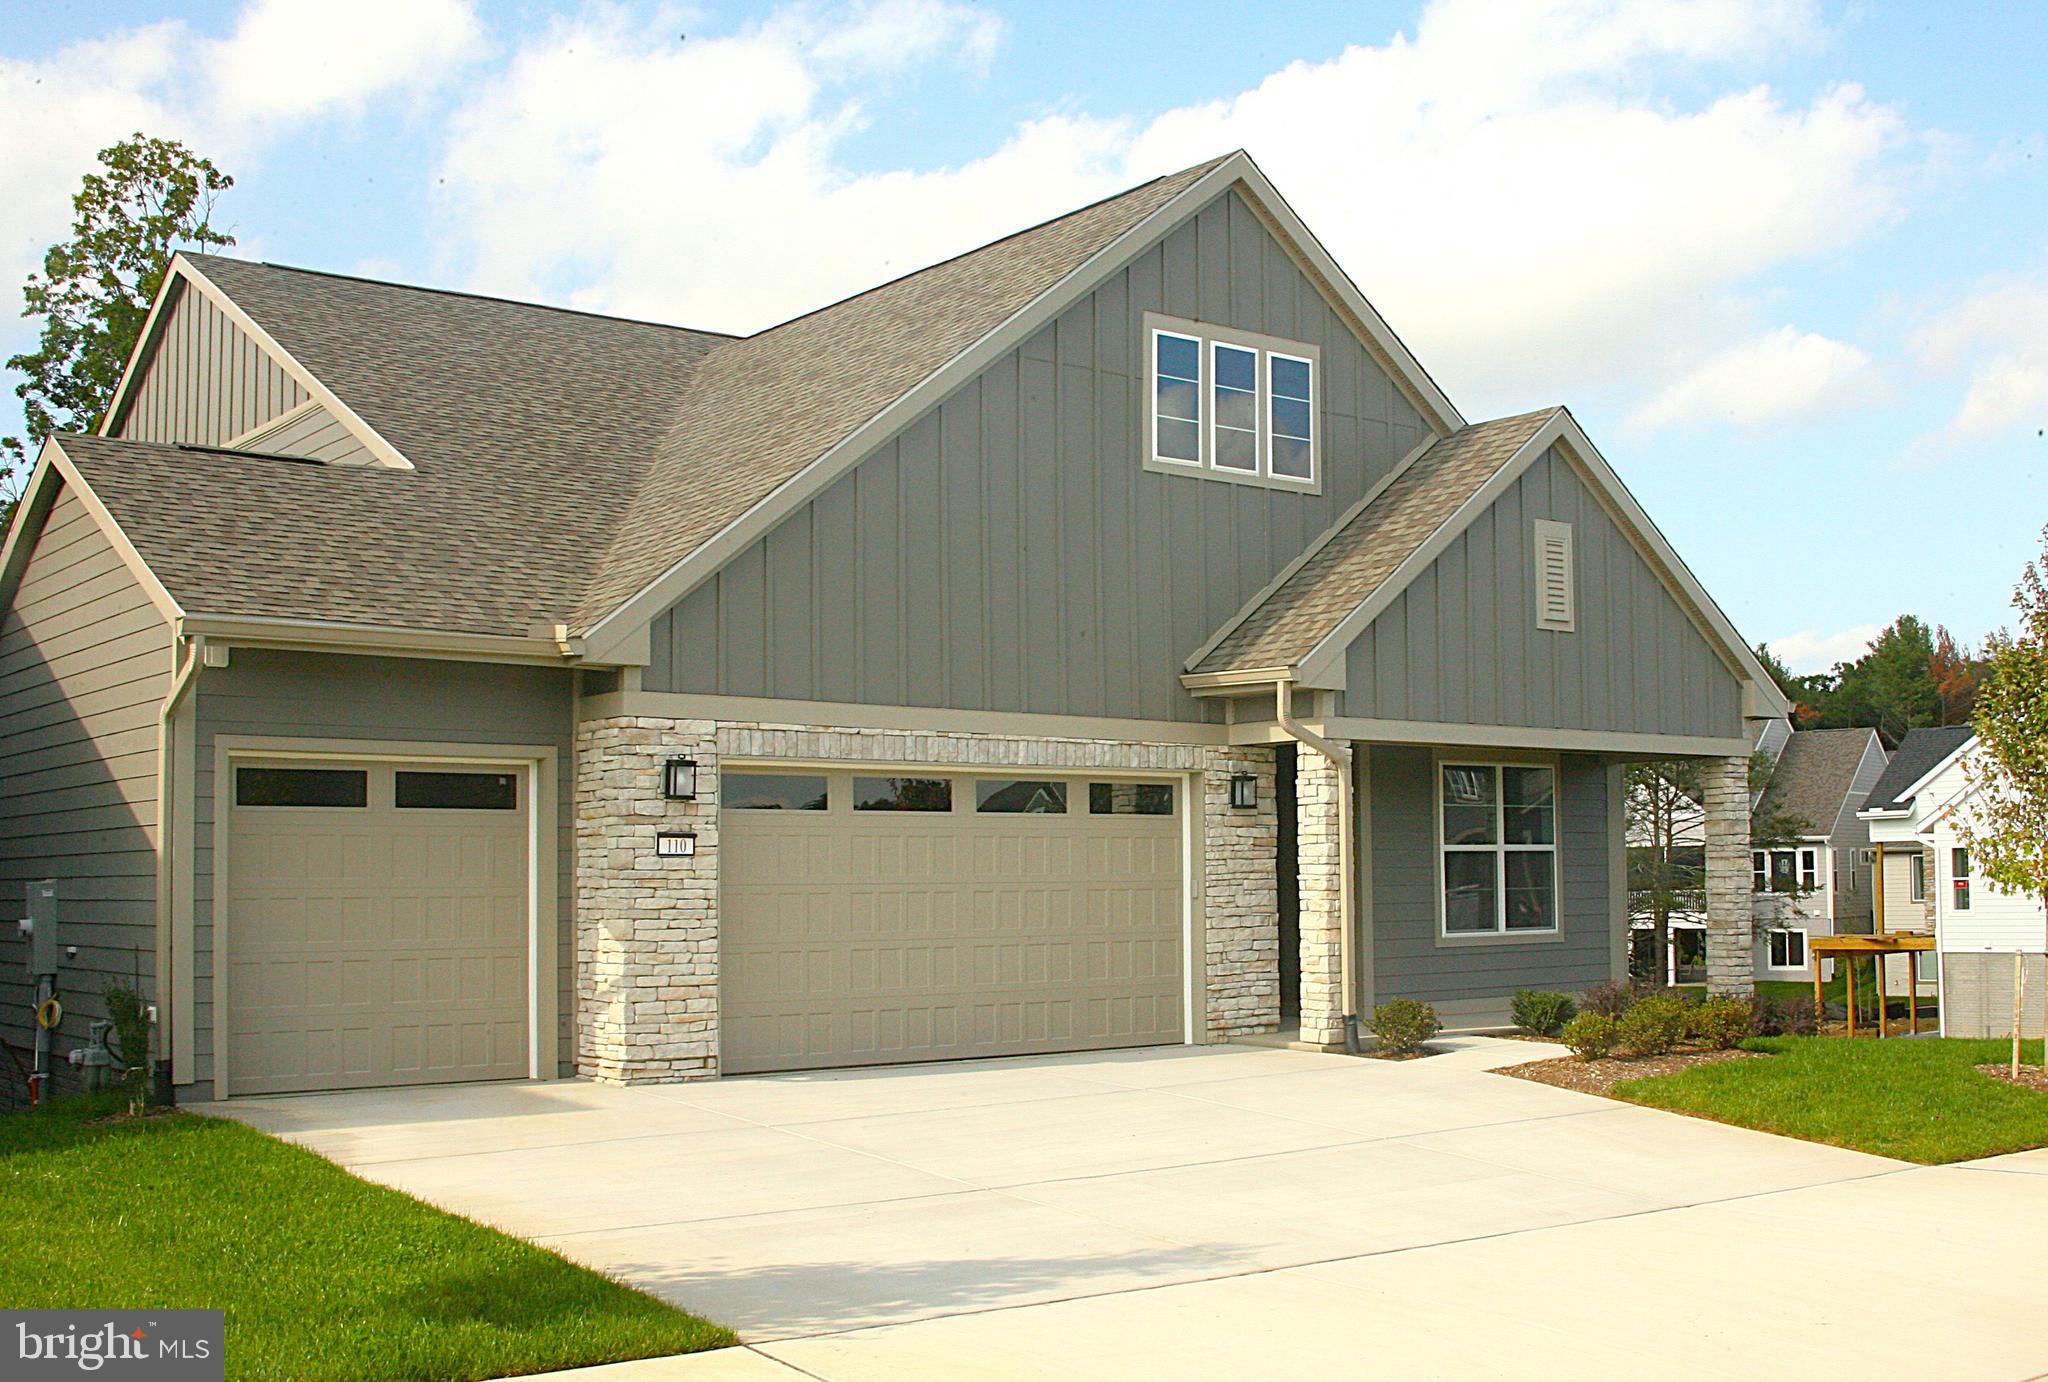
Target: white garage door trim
{"type": "Point", "coordinates": [1190, 807]}
{"type": "Point", "coordinates": [536, 763]}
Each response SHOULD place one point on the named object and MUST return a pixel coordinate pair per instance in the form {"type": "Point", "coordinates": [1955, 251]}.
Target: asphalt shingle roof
{"type": "Point", "coordinates": [1919, 753]}
{"type": "Point", "coordinates": [1360, 556]}
{"type": "Point", "coordinates": [562, 460]}
{"type": "Point", "coordinates": [1814, 776]}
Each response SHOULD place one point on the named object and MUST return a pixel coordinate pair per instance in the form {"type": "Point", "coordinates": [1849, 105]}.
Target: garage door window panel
{"type": "Point", "coordinates": [1130, 798]}
{"type": "Point", "coordinates": [1010, 796]}
{"type": "Point", "coordinates": [902, 794]}
{"type": "Point", "coordinates": [774, 792]}
{"type": "Point", "coordinates": [346, 788]}
{"type": "Point", "coordinates": [456, 791]}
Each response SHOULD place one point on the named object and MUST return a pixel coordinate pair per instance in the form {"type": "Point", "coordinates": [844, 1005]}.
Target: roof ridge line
{"type": "Point", "coordinates": [466, 293]}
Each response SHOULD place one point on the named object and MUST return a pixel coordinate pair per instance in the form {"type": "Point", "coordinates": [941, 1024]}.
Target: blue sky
{"type": "Point", "coordinates": [1787, 261]}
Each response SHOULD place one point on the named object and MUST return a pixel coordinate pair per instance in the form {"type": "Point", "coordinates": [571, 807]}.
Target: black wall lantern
{"type": "Point", "coordinates": [1244, 792]}
{"type": "Point", "coordinates": [679, 779]}
{"type": "Point", "coordinates": [675, 844]}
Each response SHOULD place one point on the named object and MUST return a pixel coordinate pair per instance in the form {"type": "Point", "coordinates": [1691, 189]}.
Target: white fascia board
{"type": "Point", "coordinates": [377, 640]}
{"type": "Point", "coordinates": [1238, 169]}
{"type": "Point", "coordinates": [1926, 779]}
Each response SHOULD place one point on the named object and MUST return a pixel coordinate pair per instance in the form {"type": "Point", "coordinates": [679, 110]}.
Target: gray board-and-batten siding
{"type": "Point", "coordinates": [1008, 552]}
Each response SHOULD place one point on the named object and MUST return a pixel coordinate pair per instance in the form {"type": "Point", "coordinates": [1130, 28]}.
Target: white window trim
{"type": "Point", "coordinates": [1916, 877]}
{"type": "Point", "coordinates": [1500, 849]}
{"type": "Point", "coordinates": [1202, 409]}
{"type": "Point", "coordinates": [1212, 386]}
{"type": "Point", "coordinates": [1804, 953]}
{"type": "Point", "coordinates": [1208, 337]}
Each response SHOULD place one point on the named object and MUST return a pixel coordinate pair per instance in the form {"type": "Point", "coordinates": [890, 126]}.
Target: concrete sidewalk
{"type": "Point", "coordinates": [1221, 1212]}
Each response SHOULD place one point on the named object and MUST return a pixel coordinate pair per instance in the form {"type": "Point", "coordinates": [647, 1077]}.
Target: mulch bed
{"type": "Point", "coordinates": [1601, 1076]}
{"type": "Point", "coordinates": [2030, 1076]}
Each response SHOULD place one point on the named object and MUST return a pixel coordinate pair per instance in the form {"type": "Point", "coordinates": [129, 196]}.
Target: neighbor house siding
{"type": "Point", "coordinates": [84, 663]}
{"type": "Point", "coordinates": [207, 381]}
{"type": "Point", "coordinates": [1851, 836]}
{"type": "Point", "coordinates": [316, 434]}
{"type": "Point", "coordinates": [1009, 552]}
{"type": "Point", "coordinates": [1471, 983]}
{"type": "Point", "coordinates": [1901, 912]}
{"type": "Point", "coordinates": [1460, 645]}
{"type": "Point", "coordinates": [322, 696]}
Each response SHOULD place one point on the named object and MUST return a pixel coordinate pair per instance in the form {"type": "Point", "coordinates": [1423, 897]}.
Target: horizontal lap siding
{"type": "Point", "coordinates": [1407, 962]}
{"type": "Point", "coordinates": [315, 434]}
{"type": "Point", "coordinates": [208, 381]}
{"type": "Point", "coordinates": [1008, 551]}
{"type": "Point", "coordinates": [317, 696]}
{"type": "Point", "coordinates": [84, 663]}
{"type": "Point", "coordinates": [1460, 645]}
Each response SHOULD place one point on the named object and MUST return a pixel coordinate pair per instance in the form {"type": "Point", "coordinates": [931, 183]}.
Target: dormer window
{"type": "Point", "coordinates": [1230, 405]}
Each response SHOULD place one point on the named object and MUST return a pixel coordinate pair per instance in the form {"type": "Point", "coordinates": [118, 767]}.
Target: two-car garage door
{"type": "Point", "coordinates": [867, 919]}
{"type": "Point", "coordinates": [377, 924]}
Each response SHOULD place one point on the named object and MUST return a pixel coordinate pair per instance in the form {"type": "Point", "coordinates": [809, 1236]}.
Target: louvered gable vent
{"type": "Point", "coordinates": [1555, 608]}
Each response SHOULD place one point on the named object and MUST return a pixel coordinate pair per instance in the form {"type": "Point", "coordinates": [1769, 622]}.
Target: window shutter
{"type": "Point", "coordinates": [1555, 608]}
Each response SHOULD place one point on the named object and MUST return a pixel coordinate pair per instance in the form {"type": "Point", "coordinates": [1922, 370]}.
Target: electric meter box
{"type": "Point", "coordinates": [40, 927]}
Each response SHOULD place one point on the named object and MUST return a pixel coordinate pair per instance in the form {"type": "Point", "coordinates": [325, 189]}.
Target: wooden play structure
{"type": "Point", "coordinates": [1849, 949]}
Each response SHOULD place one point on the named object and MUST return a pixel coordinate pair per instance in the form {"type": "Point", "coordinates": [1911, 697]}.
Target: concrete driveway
{"type": "Point", "coordinates": [1224, 1212]}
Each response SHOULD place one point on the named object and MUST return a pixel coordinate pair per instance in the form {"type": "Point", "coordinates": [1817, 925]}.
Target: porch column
{"type": "Point", "coordinates": [1320, 871]}
{"type": "Point", "coordinates": [1731, 951]}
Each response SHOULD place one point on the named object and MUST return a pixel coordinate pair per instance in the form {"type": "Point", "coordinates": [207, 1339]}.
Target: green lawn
{"type": "Point", "coordinates": [322, 1275]}
{"type": "Point", "coordinates": [1916, 1099]}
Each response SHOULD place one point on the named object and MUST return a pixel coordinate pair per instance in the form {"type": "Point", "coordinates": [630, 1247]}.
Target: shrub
{"type": "Point", "coordinates": [1543, 1013]}
{"type": "Point", "coordinates": [1609, 999]}
{"type": "Point", "coordinates": [1720, 1023]}
{"type": "Point", "coordinates": [1591, 1035]}
{"type": "Point", "coordinates": [130, 1016]}
{"type": "Point", "coordinates": [1798, 1017]}
{"type": "Point", "coordinates": [1403, 1025]}
{"type": "Point", "coordinates": [1652, 1026]}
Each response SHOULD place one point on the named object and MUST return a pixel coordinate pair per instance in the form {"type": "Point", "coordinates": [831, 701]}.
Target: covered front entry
{"type": "Point", "coordinates": [377, 923]}
{"type": "Point", "coordinates": [868, 918]}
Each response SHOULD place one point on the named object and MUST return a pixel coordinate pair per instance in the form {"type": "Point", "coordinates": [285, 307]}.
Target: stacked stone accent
{"type": "Point", "coordinates": [1240, 852]}
{"type": "Point", "coordinates": [1731, 955]}
{"type": "Point", "coordinates": [646, 927]}
{"type": "Point", "coordinates": [1317, 782]}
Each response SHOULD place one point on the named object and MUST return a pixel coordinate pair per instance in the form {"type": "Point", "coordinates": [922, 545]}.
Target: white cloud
{"type": "Point", "coordinates": [1998, 338]}
{"type": "Point", "coordinates": [293, 58]}
{"type": "Point", "coordinates": [285, 62]}
{"type": "Point", "coordinates": [1812, 651]}
{"type": "Point", "coordinates": [1782, 376]}
{"type": "Point", "coordinates": [1505, 183]}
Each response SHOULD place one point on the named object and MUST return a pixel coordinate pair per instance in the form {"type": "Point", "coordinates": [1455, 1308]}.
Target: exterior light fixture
{"type": "Point", "coordinates": [679, 779]}
{"type": "Point", "coordinates": [675, 844]}
{"type": "Point", "coordinates": [1244, 792]}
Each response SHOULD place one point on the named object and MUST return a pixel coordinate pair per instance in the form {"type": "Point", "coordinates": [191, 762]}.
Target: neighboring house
{"type": "Point", "coordinates": [1930, 886]}
{"type": "Point", "coordinates": [1816, 882]}
{"type": "Point", "coordinates": [411, 686]}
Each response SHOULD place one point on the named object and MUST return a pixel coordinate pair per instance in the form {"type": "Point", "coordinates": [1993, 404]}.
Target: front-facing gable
{"type": "Point", "coordinates": [1010, 550]}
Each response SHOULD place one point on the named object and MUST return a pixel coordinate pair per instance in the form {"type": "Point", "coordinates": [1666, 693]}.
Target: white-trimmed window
{"type": "Point", "coordinates": [1784, 870]}
{"type": "Point", "coordinates": [1919, 879]}
{"type": "Point", "coordinates": [1497, 861]}
{"type": "Point", "coordinates": [1959, 870]}
{"type": "Point", "coordinates": [1787, 948]}
{"type": "Point", "coordinates": [1232, 405]}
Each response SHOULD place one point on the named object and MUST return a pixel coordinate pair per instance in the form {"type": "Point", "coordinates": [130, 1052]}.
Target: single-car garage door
{"type": "Point", "coordinates": [377, 924]}
{"type": "Point", "coordinates": [866, 919]}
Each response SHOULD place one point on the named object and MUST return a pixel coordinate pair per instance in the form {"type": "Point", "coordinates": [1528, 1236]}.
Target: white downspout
{"type": "Point", "coordinates": [166, 816]}
{"type": "Point", "coordinates": [1339, 754]}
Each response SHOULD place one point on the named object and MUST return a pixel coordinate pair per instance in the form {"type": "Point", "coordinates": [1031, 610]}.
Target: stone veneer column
{"type": "Point", "coordinates": [1317, 780]}
{"type": "Point", "coordinates": [646, 927]}
{"type": "Point", "coordinates": [1240, 852]}
{"type": "Point", "coordinates": [1731, 958]}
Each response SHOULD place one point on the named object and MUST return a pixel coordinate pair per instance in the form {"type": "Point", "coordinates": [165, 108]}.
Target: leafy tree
{"type": "Point", "coordinates": [1955, 675]}
{"type": "Point", "coordinates": [1667, 874]}
{"type": "Point", "coordinates": [1808, 694]}
{"type": "Point", "coordinates": [148, 198]}
{"type": "Point", "coordinates": [1890, 688]}
{"type": "Point", "coordinates": [2005, 824]}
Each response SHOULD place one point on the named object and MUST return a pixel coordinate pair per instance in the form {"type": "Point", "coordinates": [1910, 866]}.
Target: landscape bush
{"type": "Point", "coordinates": [1542, 1012]}
{"type": "Point", "coordinates": [1652, 1026]}
{"type": "Point", "coordinates": [1609, 999]}
{"type": "Point", "coordinates": [1720, 1024]}
{"type": "Point", "coordinates": [1592, 1035]}
{"type": "Point", "coordinates": [1798, 1016]}
{"type": "Point", "coordinates": [1403, 1025]}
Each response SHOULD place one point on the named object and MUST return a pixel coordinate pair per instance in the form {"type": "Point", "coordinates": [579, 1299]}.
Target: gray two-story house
{"type": "Point", "coordinates": [1110, 636]}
